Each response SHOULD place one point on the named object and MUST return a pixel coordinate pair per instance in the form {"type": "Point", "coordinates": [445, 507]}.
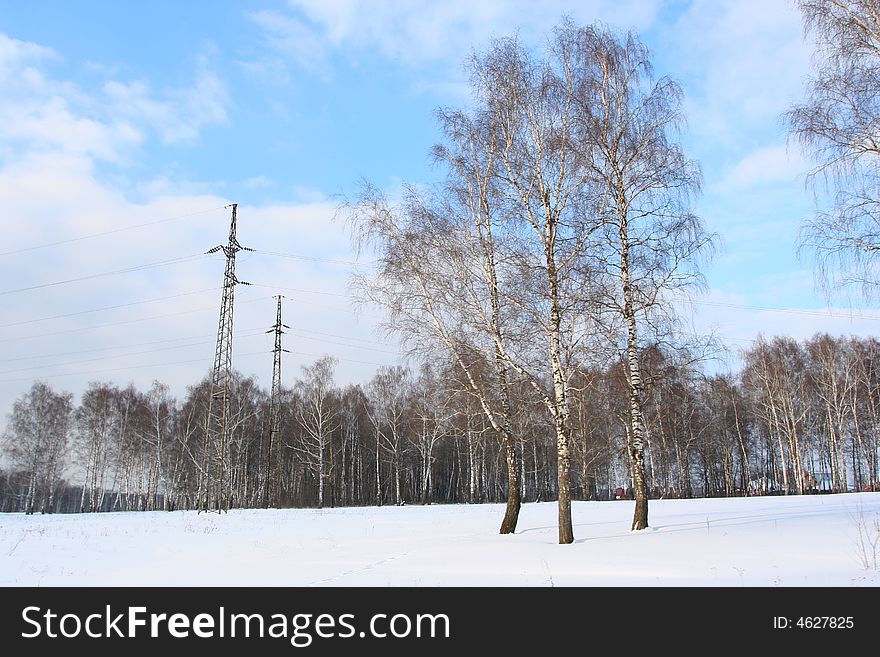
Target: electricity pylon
{"type": "Point", "coordinates": [275, 403]}
{"type": "Point", "coordinates": [213, 493]}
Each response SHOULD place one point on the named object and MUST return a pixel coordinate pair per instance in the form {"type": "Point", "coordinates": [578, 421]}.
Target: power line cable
{"type": "Point", "coordinates": [126, 321]}
{"type": "Point", "coordinates": [126, 270]}
{"type": "Point", "coordinates": [298, 289]}
{"type": "Point", "coordinates": [342, 344]}
{"type": "Point", "coordinates": [127, 368]}
{"type": "Point", "coordinates": [203, 336]}
{"type": "Point", "coordinates": [95, 310]}
{"type": "Point", "coordinates": [111, 348]}
{"type": "Point", "coordinates": [296, 256]}
{"type": "Point", "coordinates": [107, 232]}
{"type": "Point", "coordinates": [347, 360]}
{"type": "Point", "coordinates": [122, 355]}
{"type": "Point", "coordinates": [795, 311]}
{"type": "Point", "coordinates": [341, 337]}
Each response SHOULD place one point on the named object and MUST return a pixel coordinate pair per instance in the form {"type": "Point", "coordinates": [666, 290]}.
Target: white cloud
{"type": "Point", "coordinates": [181, 115]}
{"type": "Point", "coordinates": [742, 63]}
{"type": "Point", "coordinates": [257, 182]}
{"type": "Point", "coordinates": [292, 40]}
{"type": "Point", "coordinates": [49, 123]}
{"type": "Point", "coordinates": [416, 34]}
{"type": "Point", "coordinates": [16, 54]}
{"type": "Point", "coordinates": [53, 136]}
{"type": "Point", "coordinates": [39, 112]}
{"type": "Point", "coordinates": [767, 165]}
{"type": "Point", "coordinates": [183, 322]}
{"type": "Point", "coordinates": [738, 318]}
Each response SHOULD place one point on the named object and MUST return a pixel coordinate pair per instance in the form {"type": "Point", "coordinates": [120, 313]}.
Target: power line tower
{"type": "Point", "coordinates": [275, 403]}
{"type": "Point", "coordinates": [213, 493]}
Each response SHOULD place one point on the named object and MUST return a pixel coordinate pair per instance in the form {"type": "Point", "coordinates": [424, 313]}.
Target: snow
{"type": "Point", "coordinates": [759, 541]}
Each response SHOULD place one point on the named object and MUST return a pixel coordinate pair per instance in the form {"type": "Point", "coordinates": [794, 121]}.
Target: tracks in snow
{"type": "Point", "coordinates": [362, 569]}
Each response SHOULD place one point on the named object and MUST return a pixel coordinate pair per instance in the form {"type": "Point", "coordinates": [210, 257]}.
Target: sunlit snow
{"type": "Point", "coordinates": [760, 541]}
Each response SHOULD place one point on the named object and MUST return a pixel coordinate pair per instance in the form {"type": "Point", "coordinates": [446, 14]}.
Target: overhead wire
{"type": "Point", "coordinates": [127, 354]}
{"type": "Point", "coordinates": [110, 348]}
{"type": "Point", "coordinates": [297, 256]}
{"type": "Point", "coordinates": [119, 351]}
{"type": "Point", "coordinates": [342, 344]}
{"type": "Point", "coordinates": [103, 308]}
{"type": "Point", "coordinates": [109, 232]}
{"type": "Point", "coordinates": [126, 368]}
{"type": "Point", "coordinates": [126, 321]}
{"type": "Point", "coordinates": [125, 270]}
{"type": "Point", "coordinates": [247, 332]}
{"type": "Point", "coordinates": [796, 311]}
{"type": "Point", "coordinates": [347, 360]}
{"type": "Point", "coordinates": [298, 332]}
{"type": "Point", "coordinates": [341, 337]}
{"type": "Point", "coordinates": [303, 290]}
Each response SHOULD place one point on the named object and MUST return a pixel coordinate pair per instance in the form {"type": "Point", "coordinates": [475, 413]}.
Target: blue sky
{"type": "Point", "coordinates": [117, 115]}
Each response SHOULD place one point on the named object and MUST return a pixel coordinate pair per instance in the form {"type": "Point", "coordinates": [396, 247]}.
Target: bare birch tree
{"type": "Point", "coordinates": [428, 284]}
{"type": "Point", "coordinates": [471, 154]}
{"type": "Point", "coordinates": [496, 264]}
{"type": "Point", "coordinates": [627, 123]}
{"type": "Point", "coordinates": [36, 441]}
{"type": "Point", "coordinates": [318, 419]}
{"type": "Point", "coordinates": [97, 432]}
{"type": "Point", "coordinates": [432, 414]}
{"type": "Point", "coordinates": [548, 218]}
{"type": "Point", "coordinates": [388, 396]}
{"type": "Point", "coordinates": [838, 125]}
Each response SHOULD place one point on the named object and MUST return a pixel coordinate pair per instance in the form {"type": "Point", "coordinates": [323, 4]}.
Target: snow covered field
{"type": "Point", "coordinates": [769, 541]}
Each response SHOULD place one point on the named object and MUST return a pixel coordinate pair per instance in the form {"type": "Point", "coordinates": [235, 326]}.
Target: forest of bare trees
{"type": "Point", "coordinates": [801, 417]}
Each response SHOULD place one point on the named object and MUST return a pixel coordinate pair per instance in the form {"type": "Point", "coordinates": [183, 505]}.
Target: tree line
{"type": "Point", "coordinates": [800, 417]}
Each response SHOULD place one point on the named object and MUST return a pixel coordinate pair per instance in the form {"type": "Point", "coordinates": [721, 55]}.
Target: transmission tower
{"type": "Point", "coordinates": [275, 407]}
{"type": "Point", "coordinates": [213, 493]}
